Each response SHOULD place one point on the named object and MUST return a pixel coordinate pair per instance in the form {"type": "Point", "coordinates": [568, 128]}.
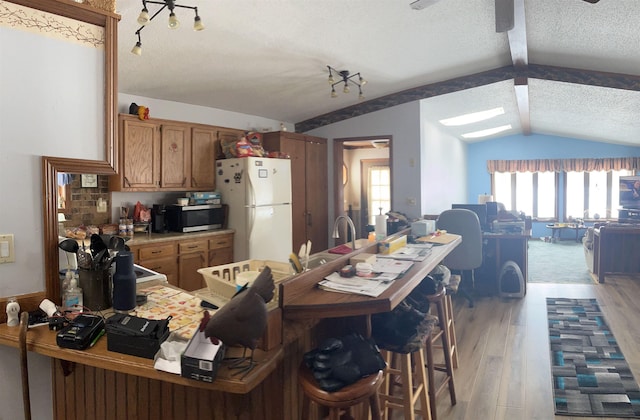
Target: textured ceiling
{"type": "Point", "coordinates": [269, 57]}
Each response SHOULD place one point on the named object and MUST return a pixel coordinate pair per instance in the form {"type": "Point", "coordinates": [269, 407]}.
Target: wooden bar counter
{"type": "Point", "coordinates": [100, 384]}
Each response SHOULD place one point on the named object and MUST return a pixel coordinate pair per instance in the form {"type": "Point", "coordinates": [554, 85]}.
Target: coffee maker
{"type": "Point", "coordinates": [159, 218]}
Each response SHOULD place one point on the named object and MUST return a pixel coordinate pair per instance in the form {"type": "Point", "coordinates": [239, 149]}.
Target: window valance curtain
{"type": "Point", "coordinates": [559, 165]}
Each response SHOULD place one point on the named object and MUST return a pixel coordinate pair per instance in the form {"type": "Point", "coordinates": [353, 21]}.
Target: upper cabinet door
{"type": "Point", "coordinates": [203, 150]}
{"type": "Point", "coordinates": [174, 151]}
{"type": "Point", "coordinates": [140, 166]}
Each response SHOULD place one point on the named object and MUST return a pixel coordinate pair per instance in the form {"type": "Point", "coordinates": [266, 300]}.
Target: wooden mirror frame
{"type": "Point", "coordinates": [51, 166]}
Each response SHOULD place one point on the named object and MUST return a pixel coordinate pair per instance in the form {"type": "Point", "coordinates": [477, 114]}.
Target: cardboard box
{"type": "Point", "coordinates": [201, 358]}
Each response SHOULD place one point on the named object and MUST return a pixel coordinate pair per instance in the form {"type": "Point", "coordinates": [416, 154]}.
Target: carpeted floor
{"type": "Point", "coordinates": [590, 375]}
{"type": "Point", "coordinates": [559, 262]}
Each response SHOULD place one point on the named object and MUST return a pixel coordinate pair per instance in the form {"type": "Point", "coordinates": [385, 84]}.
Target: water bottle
{"type": "Point", "coordinates": [124, 283]}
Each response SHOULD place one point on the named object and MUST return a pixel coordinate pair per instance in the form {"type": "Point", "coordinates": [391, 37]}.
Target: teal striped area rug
{"type": "Point", "coordinates": [590, 374]}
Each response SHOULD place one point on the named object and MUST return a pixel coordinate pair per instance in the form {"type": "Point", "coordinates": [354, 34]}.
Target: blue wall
{"type": "Point", "coordinates": [535, 146]}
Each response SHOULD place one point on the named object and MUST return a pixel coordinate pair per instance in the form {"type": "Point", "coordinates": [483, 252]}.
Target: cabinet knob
{"type": "Point", "coordinates": [126, 181]}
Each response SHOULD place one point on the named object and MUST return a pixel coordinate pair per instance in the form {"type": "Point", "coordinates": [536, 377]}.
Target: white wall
{"type": "Point", "coordinates": [428, 168]}
{"type": "Point", "coordinates": [51, 104]}
{"type": "Point", "coordinates": [444, 169]}
{"type": "Point", "coordinates": [400, 123]}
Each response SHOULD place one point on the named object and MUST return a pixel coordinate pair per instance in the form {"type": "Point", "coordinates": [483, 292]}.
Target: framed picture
{"type": "Point", "coordinates": [89, 180]}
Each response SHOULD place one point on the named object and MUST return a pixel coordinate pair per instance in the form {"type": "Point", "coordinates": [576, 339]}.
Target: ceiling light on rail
{"type": "Point", "coordinates": [345, 77]}
{"type": "Point", "coordinates": [174, 23]}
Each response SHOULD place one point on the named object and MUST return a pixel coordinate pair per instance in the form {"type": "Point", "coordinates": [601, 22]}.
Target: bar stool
{"type": "Point", "coordinates": [452, 289]}
{"type": "Point", "coordinates": [365, 389]}
{"type": "Point", "coordinates": [407, 362]}
{"type": "Point", "coordinates": [442, 334]}
{"type": "Point", "coordinates": [410, 368]}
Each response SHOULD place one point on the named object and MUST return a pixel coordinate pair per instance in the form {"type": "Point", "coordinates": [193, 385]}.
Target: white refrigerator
{"type": "Point", "coordinates": [258, 193]}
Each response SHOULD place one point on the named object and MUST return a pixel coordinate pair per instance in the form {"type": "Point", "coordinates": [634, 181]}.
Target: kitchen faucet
{"type": "Point", "coordinates": [336, 234]}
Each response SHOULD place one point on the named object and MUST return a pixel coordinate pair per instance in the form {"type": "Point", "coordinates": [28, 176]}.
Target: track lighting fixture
{"type": "Point", "coordinates": [174, 23]}
{"type": "Point", "coordinates": [346, 78]}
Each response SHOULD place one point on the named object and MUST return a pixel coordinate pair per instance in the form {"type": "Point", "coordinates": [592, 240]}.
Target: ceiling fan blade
{"type": "Point", "coordinates": [504, 15]}
{"type": "Point", "coordinates": [592, 1]}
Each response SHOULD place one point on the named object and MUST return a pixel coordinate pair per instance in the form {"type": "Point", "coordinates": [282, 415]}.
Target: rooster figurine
{"type": "Point", "coordinates": [243, 320]}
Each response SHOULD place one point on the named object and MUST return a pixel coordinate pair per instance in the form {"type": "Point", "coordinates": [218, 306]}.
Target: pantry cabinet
{"type": "Point", "coordinates": [309, 184]}
{"type": "Point", "coordinates": [180, 257]}
{"type": "Point", "coordinates": [166, 155]}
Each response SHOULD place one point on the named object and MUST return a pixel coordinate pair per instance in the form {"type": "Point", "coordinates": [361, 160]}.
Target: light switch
{"type": "Point", "coordinates": [7, 253]}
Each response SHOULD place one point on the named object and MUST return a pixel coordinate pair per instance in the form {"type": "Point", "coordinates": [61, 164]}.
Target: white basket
{"type": "Point", "coordinates": [221, 279]}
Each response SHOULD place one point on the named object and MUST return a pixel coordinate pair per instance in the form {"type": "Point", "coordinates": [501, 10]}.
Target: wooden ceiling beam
{"type": "Point", "coordinates": [520, 58]}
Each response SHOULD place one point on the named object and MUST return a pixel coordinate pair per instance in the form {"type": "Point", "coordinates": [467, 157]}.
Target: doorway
{"type": "Point", "coordinates": [362, 177]}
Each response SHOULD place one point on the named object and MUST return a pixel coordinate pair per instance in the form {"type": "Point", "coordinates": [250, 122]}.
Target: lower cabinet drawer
{"type": "Point", "coordinates": [192, 246]}
{"type": "Point", "coordinates": [222, 241]}
{"type": "Point", "coordinates": [156, 251]}
{"type": "Point", "coordinates": [167, 266]}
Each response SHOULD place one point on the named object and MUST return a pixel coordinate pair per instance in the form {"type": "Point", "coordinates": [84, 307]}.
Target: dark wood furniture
{"type": "Point", "coordinates": [364, 390]}
{"type": "Point", "coordinates": [496, 250]}
{"type": "Point", "coordinates": [309, 185]}
{"type": "Point", "coordinates": [615, 250]}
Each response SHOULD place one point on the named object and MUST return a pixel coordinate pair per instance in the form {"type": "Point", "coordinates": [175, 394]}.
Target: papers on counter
{"type": "Point", "coordinates": [387, 270]}
{"type": "Point", "coordinates": [373, 286]}
{"type": "Point", "coordinates": [411, 252]}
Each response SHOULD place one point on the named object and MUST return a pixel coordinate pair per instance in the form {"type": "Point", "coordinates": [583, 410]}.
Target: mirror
{"type": "Point", "coordinates": [51, 166]}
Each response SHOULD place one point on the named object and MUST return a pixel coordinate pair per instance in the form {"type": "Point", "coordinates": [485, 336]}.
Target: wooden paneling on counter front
{"type": "Point", "coordinates": [165, 155]}
{"type": "Point", "coordinates": [309, 185]}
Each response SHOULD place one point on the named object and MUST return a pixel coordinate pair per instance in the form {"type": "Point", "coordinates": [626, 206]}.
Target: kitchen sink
{"type": "Point", "coordinates": [316, 260]}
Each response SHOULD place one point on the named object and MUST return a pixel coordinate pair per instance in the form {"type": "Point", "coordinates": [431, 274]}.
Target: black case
{"type": "Point", "coordinates": [136, 336]}
{"type": "Point", "coordinates": [80, 332]}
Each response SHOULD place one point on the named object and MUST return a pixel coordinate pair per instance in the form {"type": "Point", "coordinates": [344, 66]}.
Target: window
{"type": "Point", "coordinates": [532, 193]}
{"type": "Point", "coordinates": [587, 195]}
{"type": "Point", "coordinates": [593, 195]}
{"type": "Point", "coordinates": [379, 191]}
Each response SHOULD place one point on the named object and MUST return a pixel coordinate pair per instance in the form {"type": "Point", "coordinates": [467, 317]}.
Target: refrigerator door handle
{"type": "Point", "coordinates": [251, 196]}
{"type": "Point", "coordinates": [252, 220]}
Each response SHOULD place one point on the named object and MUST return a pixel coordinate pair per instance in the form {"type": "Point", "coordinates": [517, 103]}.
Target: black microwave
{"type": "Point", "coordinates": [195, 218]}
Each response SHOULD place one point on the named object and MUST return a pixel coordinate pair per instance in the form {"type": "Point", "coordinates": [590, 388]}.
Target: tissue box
{"type": "Point", "coordinates": [389, 246]}
{"type": "Point", "coordinates": [423, 228]}
{"type": "Point", "coordinates": [201, 358]}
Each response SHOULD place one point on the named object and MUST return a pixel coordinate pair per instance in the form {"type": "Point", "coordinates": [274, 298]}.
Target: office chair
{"type": "Point", "coordinates": [467, 255]}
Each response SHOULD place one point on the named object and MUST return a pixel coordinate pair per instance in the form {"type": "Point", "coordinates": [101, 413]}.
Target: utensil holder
{"type": "Point", "coordinates": [96, 288]}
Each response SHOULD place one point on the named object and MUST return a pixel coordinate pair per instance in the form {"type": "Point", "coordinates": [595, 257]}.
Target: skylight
{"type": "Point", "coordinates": [487, 132]}
{"type": "Point", "coordinates": [472, 117]}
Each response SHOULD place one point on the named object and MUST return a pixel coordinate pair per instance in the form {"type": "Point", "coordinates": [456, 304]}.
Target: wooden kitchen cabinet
{"type": "Point", "coordinates": [221, 250]}
{"type": "Point", "coordinates": [203, 152]}
{"type": "Point", "coordinates": [165, 155]}
{"type": "Point", "coordinates": [139, 155]}
{"type": "Point", "coordinates": [309, 185]}
{"type": "Point", "coordinates": [180, 258]}
{"type": "Point", "coordinates": [192, 255]}
{"type": "Point", "coordinates": [175, 154]}
{"type": "Point", "coordinates": [159, 257]}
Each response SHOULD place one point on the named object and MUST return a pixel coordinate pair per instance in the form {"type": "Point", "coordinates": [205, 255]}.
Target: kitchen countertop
{"type": "Point", "coordinates": [143, 238]}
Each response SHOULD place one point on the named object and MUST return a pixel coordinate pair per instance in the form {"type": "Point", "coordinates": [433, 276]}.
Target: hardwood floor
{"type": "Point", "coordinates": [504, 370]}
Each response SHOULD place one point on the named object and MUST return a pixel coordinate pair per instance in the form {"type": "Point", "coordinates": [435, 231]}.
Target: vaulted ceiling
{"type": "Point", "coordinates": [566, 67]}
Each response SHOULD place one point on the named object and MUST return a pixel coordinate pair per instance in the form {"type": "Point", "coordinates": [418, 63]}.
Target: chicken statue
{"type": "Point", "coordinates": [243, 320]}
